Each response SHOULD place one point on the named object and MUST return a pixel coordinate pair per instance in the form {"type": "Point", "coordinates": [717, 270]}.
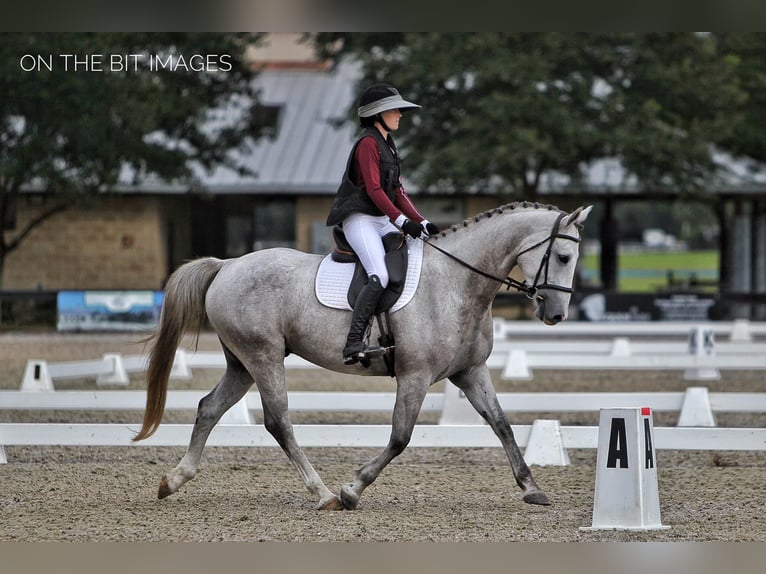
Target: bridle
{"type": "Point", "coordinates": [529, 290]}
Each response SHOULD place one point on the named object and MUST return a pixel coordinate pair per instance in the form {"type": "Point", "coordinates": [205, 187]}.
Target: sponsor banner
{"type": "Point", "coordinates": [649, 307]}
{"type": "Point", "coordinates": [108, 310]}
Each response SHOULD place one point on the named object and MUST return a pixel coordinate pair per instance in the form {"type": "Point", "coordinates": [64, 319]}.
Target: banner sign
{"type": "Point", "coordinates": [108, 310]}
{"type": "Point", "coordinates": [648, 307]}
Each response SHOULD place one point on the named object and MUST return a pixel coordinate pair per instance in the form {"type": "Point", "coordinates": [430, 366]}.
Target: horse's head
{"type": "Point", "coordinates": [549, 265]}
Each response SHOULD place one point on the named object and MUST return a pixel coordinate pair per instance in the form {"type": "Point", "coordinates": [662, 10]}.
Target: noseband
{"type": "Point", "coordinates": [529, 290]}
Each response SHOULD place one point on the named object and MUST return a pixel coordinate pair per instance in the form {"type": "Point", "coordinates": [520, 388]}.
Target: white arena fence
{"type": "Point", "coordinates": [545, 440]}
{"type": "Point", "coordinates": [696, 406]}
{"type": "Point", "coordinates": [565, 348]}
{"type": "Point", "coordinates": [737, 330]}
{"type": "Point", "coordinates": [456, 429]}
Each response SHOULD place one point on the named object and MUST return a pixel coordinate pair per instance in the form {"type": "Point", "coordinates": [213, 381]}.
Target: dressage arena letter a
{"type": "Point", "coordinates": [626, 495]}
{"type": "Point", "coordinates": [648, 447]}
{"type": "Point", "coordinates": [618, 447]}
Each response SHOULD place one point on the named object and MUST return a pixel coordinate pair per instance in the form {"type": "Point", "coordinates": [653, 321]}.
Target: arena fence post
{"type": "Point", "coordinates": [118, 376]}
{"type": "Point", "coordinates": [696, 410]}
{"type": "Point", "coordinates": [238, 414]}
{"type": "Point", "coordinates": [180, 368]}
{"type": "Point", "coordinates": [545, 446]}
{"type": "Point", "coordinates": [702, 346]}
{"type": "Point", "coordinates": [517, 366]}
{"type": "Point", "coordinates": [457, 409]}
{"type": "Point", "coordinates": [37, 377]}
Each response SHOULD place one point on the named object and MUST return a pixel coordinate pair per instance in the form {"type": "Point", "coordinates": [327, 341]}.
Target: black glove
{"type": "Point", "coordinates": [411, 228]}
{"type": "Point", "coordinates": [430, 228]}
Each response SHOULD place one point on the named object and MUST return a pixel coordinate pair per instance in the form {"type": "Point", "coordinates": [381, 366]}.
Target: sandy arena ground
{"type": "Point", "coordinates": [460, 494]}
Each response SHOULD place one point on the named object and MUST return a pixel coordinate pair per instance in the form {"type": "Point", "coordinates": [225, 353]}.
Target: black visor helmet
{"type": "Point", "coordinates": [380, 98]}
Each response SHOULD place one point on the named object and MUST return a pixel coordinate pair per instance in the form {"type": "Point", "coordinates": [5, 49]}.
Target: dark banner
{"type": "Point", "coordinates": [649, 307]}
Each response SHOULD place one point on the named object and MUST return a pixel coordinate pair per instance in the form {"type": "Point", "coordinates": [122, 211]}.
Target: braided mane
{"type": "Point", "coordinates": [496, 211]}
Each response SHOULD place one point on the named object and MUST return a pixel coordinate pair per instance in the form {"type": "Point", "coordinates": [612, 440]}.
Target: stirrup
{"type": "Point", "coordinates": [364, 356]}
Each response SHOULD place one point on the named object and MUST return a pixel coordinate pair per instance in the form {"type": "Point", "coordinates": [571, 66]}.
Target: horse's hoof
{"type": "Point", "coordinates": [348, 498]}
{"type": "Point", "coordinates": [333, 504]}
{"type": "Point", "coordinates": [537, 497]}
{"type": "Point", "coordinates": [164, 490]}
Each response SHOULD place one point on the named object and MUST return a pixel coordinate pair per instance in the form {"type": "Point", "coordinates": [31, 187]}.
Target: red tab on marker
{"type": "Point", "coordinates": [646, 411]}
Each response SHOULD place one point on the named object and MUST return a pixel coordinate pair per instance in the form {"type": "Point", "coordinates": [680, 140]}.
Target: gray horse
{"type": "Point", "coordinates": [263, 306]}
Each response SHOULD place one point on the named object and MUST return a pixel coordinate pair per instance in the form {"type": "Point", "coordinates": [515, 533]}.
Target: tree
{"type": "Point", "coordinates": [136, 106]}
{"type": "Point", "coordinates": [746, 50]}
{"type": "Point", "coordinates": [502, 110]}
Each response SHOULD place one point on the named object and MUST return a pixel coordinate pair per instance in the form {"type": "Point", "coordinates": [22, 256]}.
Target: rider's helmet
{"type": "Point", "coordinates": [379, 98]}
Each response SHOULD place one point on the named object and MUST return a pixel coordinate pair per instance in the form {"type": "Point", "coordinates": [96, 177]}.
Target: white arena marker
{"type": "Point", "coordinates": [457, 409]}
{"type": "Point", "coordinates": [545, 447]}
{"type": "Point", "coordinates": [37, 377]}
{"type": "Point", "coordinates": [180, 369]}
{"type": "Point", "coordinates": [702, 346]}
{"type": "Point", "coordinates": [238, 414]}
{"type": "Point", "coordinates": [118, 376]}
{"type": "Point", "coordinates": [626, 495]}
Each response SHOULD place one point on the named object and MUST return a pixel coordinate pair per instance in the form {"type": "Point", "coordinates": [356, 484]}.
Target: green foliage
{"type": "Point", "coordinates": [502, 109]}
{"type": "Point", "coordinates": [73, 133]}
{"type": "Point", "coordinates": [747, 52]}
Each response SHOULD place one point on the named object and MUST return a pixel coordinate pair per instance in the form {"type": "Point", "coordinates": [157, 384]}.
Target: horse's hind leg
{"type": "Point", "coordinates": [231, 388]}
{"type": "Point", "coordinates": [476, 383]}
{"type": "Point", "coordinates": [270, 379]}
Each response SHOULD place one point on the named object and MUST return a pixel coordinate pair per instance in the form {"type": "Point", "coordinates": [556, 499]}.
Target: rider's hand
{"type": "Point", "coordinates": [429, 227]}
{"type": "Point", "coordinates": [411, 228]}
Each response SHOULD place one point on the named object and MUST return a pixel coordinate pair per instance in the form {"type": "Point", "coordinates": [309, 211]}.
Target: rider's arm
{"type": "Point", "coordinates": [368, 162]}
{"type": "Point", "coordinates": [404, 203]}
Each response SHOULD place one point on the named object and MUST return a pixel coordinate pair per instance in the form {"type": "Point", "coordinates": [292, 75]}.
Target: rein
{"type": "Point", "coordinates": [529, 290]}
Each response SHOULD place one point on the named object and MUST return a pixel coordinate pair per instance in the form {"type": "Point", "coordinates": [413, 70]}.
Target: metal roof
{"type": "Point", "coordinates": [312, 142]}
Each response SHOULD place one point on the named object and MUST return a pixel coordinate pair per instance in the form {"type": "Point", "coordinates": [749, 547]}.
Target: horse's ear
{"type": "Point", "coordinates": [578, 216]}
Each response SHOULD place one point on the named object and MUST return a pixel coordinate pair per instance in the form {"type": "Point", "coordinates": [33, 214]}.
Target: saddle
{"type": "Point", "coordinates": [396, 258]}
{"type": "Point", "coordinates": [396, 263]}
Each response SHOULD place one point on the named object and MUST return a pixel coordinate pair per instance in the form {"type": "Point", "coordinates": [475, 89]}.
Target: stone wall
{"type": "Point", "coordinates": [115, 243]}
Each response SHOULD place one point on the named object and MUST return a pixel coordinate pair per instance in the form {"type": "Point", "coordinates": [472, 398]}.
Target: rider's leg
{"type": "Point", "coordinates": [363, 234]}
{"type": "Point", "coordinates": [364, 307]}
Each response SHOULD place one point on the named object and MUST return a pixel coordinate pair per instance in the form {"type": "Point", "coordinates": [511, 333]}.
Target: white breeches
{"type": "Point", "coordinates": [364, 233]}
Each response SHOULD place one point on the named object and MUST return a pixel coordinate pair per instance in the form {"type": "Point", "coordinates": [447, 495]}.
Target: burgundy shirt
{"type": "Point", "coordinates": [368, 176]}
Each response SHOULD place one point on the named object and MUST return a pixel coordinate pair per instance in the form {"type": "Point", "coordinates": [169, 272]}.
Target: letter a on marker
{"type": "Point", "coordinates": [648, 444]}
{"type": "Point", "coordinates": [618, 444]}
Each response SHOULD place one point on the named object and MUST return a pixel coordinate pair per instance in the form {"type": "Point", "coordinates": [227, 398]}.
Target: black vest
{"type": "Point", "coordinates": [351, 198]}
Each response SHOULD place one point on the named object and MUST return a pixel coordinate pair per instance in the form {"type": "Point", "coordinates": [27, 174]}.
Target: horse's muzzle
{"type": "Point", "coordinates": [541, 312]}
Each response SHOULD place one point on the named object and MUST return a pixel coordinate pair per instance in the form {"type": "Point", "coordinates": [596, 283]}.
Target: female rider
{"type": "Point", "coordinates": [371, 203]}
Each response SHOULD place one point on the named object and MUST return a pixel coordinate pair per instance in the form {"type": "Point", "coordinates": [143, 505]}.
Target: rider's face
{"type": "Point", "coordinates": [392, 117]}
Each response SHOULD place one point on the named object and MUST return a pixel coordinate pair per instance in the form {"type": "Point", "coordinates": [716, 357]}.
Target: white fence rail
{"type": "Point", "coordinates": [430, 436]}
{"type": "Point", "coordinates": [738, 330]}
{"type": "Point", "coordinates": [516, 360]}
{"type": "Point", "coordinates": [692, 403]}
{"type": "Point", "coordinates": [696, 407]}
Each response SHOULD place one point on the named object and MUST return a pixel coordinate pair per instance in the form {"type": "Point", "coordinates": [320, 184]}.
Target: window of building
{"type": "Point", "coordinates": [254, 223]}
{"type": "Point", "coordinates": [274, 223]}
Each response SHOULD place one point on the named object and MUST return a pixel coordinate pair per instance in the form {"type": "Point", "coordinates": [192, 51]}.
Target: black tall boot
{"type": "Point", "coordinates": [364, 308]}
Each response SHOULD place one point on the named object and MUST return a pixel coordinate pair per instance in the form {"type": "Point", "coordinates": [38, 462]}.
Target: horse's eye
{"type": "Point", "coordinates": [564, 259]}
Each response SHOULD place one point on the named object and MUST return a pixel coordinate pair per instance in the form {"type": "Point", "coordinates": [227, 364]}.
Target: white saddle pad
{"type": "Point", "coordinates": [333, 279]}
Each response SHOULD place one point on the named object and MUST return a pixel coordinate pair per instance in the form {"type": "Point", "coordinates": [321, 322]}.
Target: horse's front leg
{"type": "Point", "coordinates": [410, 393]}
{"type": "Point", "coordinates": [477, 385]}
